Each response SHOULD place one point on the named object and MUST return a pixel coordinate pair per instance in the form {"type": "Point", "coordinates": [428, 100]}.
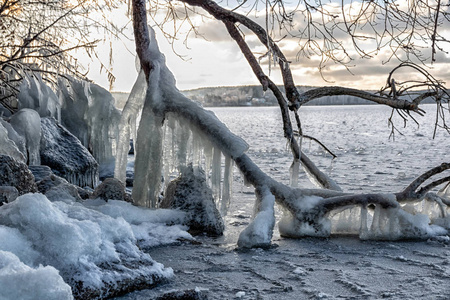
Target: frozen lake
{"type": "Point", "coordinates": [341, 267]}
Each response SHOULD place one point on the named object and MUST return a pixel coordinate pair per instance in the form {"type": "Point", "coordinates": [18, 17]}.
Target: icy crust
{"type": "Point", "coordinates": [66, 156]}
{"type": "Point", "coordinates": [94, 249]}
{"type": "Point", "coordinates": [421, 220]}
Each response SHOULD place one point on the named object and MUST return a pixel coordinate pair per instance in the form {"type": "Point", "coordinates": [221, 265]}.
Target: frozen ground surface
{"type": "Point", "coordinates": [341, 267]}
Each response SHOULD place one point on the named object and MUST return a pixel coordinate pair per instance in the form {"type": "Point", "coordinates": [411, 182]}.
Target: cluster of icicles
{"type": "Point", "coordinates": [184, 145]}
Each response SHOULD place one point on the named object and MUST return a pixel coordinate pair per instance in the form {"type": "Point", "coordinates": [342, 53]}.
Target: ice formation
{"type": "Point", "coordinates": [66, 156]}
{"type": "Point", "coordinates": [88, 112]}
{"type": "Point", "coordinates": [259, 232]}
{"type": "Point", "coordinates": [127, 125]}
{"type": "Point", "coordinates": [8, 146]}
{"type": "Point", "coordinates": [36, 95]}
{"type": "Point", "coordinates": [27, 123]}
{"type": "Point", "coordinates": [92, 246]}
{"type": "Point", "coordinates": [190, 134]}
{"type": "Point", "coordinates": [420, 220]}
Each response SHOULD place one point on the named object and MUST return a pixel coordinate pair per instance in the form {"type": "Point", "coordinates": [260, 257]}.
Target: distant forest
{"type": "Point", "coordinates": [251, 95]}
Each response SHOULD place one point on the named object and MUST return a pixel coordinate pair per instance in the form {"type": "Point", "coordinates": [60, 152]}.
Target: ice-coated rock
{"type": "Point", "coordinates": [40, 172]}
{"type": "Point", "coordinates": [7, 146]}
{"type": "Point", "coordinates": [4, 112]}
{"type": "Point", "coordinates": [112, 189]}
{"type": "Point", "coordinates": [16, 174]}
{"type": "Point", "coordinates": [8, 194]}
{"type": "Point", "coordinates": [27, 123]}
{"type": "Point", "coordinates": [66, 156]}
{"type": "Point", "coordinates": [191, 193]}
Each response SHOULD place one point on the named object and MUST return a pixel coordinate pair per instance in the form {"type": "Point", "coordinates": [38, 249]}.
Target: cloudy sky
{"type": "Point", "coordinates": [214, 59]}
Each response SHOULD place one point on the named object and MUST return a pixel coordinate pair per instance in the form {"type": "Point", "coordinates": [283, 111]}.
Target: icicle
{"type": "Point", "coordinates": [208, 153]}
{"type": "Point", "coordinates": [227, 186]}
{"type": "Point", "coordinates": [216, 174]}
{"type": "Point", "coordinates": [363, 229]}
{"type": "Point", "coordinates": [294, 172]}
{"type": "Point", "coordinates": [127, 126]}
{"type": "Point", "coordinates": [183, 136]}
{"type": "Point", "coordinates": [148, 162]}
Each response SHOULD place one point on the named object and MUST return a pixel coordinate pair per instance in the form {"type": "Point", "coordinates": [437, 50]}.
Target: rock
{"type": "Point", "coordinates": [111, 188]}
{"type": "Point", "coordinates": [8, 194]}
{"type": "Point", "coordinates": [16, 174]}
{"type": "Point", "coordinates": [56, 188]}
{"type": "Point", "coordinates": [184, 295]}
{"type": "Point", "coordinates": [40, 172]}
{"type": "Point", "coordinates": [190, 193]}
{"type": "Point", "coordinates": [66, 156]}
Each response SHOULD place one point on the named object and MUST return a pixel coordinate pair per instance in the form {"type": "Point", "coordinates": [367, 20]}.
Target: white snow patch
{"type": "Point", "coordinates": [19, 281]}
{"type": "Point", "coordinates": [80, 240]}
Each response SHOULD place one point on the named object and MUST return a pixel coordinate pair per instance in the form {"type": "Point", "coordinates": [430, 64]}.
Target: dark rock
{"type": "Point", "coordinates": [16, 174]}
{"type": "Point", "coordinates": [66, 156]}
{"type": "Point", "coordinates": [191, 193]}
{"type": "Point", "coordinates": [184, 295]}
{"type": "Point", "coordinates": [111, 188]}
{"type": "Point", "coordinates": [8, 194]}
{"type": "Point", "coordinates": [40, 172]}
{"type": "Point", "coordinates": [57, 188]}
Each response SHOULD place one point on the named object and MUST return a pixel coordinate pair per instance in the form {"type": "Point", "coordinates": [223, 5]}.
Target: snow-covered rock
{"type": "Point", "coordinates": [27, 123]}
{"type": "Point", "coordinates": [66, 156]}
{"type": "Point", "coordinates": [96, 254]}
{"type": "Point", "coordinates": [16, 174]}
{"type": "Point", "coordinates": [8, 194]}
{"type": "Point", "coordinates": [19, 281]}
{"type": "Point", "coordinates": [111, 188]}
{"type": "Point", "coordinates": [191, 194]}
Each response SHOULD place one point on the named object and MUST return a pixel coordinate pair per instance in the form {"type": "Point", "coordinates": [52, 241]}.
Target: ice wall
{"type": "Point", "coordinates": [37, 95]}
{"type": "Point", "coordinates": [88, 112]}
{"type": "Point", "coordinates": [8, 147]}
{"type": "Point", "coordinates": [27, 123]}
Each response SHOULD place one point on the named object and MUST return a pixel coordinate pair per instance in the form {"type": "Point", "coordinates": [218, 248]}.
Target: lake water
{"type": "Point", "coordinates": [367, 159]}
{"type": "Point", "coordinates": [336, 268]}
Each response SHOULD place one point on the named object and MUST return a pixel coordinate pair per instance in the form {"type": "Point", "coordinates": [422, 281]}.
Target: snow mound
{"type": "Point", "coordinates": [95, 253]}
{"type": "Point", "coordinates": [19, 281]}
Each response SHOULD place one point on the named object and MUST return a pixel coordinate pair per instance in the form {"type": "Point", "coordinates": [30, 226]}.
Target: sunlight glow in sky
{"type": "Point", "coordinates": [216, 60]}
